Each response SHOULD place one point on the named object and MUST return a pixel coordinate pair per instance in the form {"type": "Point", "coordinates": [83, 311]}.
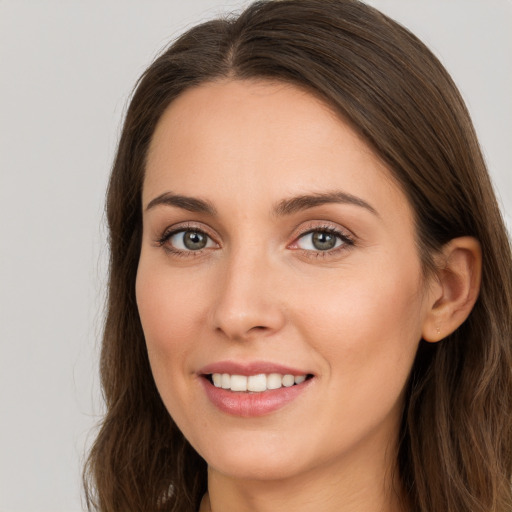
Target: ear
{"type": "Point", "coordinates": [455, 288]}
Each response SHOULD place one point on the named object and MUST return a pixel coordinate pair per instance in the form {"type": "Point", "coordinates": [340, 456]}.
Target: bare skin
{"type": "Point", "coordinates": [258, 286]}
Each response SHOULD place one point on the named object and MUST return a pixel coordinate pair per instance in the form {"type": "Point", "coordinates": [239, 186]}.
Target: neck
{"type": "Point", "coordinates": [351, 486]}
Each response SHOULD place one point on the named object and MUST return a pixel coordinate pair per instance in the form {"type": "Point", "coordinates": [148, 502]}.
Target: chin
{"type": "Point", "coordinates": [256, 459]}
{"type": "Point", "coordinates": [247, 466]}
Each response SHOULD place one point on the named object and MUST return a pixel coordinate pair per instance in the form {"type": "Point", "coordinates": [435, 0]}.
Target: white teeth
{"type": "Point", "coordinates": [226, 381]}
{"type": "Point", "coordinates": [274, 381]}
{"type": "Point", "coordinates": [217, 380]}
{"type": "Point", "coordinates": [255, 383]}
{"type": "Point", "coordinates": [288, 380]}
{"type": "Point", "coordinates": [238, 383]}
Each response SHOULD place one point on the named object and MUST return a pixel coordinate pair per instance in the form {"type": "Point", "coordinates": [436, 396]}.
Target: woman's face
{"type": "Point", "coordinates": [276, 248]}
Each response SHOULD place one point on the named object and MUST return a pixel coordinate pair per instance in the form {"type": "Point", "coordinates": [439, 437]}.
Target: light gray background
{"type": "Point", "coordinates": [67, 69]}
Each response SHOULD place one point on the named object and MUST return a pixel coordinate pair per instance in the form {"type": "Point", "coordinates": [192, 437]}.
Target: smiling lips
{"type": "Point", "coordinates": [252, 390]}
{"type": "Point", "coordinates": [255, 383]}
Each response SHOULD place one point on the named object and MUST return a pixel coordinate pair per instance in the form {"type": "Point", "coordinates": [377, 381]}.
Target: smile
{"type": "Point", "coordinates": [255, 389]}
{"type": "Point", "coordinates": [255, 383]}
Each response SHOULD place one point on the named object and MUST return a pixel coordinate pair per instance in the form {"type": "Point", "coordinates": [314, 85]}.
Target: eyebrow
{"type": "Point", "coordinates": [304, 202]}
{"type": "Point", "coordinates": [191, 204]}
{"type": "Point", "coordinates": [282, 208]}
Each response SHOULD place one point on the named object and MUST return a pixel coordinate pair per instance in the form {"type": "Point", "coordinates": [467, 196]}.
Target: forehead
{"type": "Point", "coordinates": [241, 140]}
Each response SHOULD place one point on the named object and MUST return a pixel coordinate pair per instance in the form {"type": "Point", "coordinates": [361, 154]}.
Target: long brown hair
{"type": "Point", "coordinates": [455, 452]}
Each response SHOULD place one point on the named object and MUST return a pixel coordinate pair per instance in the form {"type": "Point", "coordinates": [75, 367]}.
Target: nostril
{"type": "Point", "coordinates": [258, 328]}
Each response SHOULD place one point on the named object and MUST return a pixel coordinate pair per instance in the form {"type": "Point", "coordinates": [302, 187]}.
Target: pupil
{"type": "Point", "coordinates": [323, 241]}
{"type": "Point", "coordinates": [194, 240]}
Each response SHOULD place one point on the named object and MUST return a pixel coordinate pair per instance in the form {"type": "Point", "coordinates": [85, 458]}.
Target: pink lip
{"type": "Point", "coordinates": [247, 369]}
{"type": "Point", "coordinates": [248, 404]}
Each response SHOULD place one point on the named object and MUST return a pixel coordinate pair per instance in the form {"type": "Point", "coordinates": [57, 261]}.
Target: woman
{"type": "Point", "coordinates": [310, 281]}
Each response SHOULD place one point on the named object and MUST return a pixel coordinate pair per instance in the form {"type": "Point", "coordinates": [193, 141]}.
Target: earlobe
{"type": "Point", "coordinates": [457, 287]}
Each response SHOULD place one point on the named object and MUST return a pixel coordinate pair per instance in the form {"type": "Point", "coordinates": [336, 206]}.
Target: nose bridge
{"type": "Point", "coordinates": [247, 301]}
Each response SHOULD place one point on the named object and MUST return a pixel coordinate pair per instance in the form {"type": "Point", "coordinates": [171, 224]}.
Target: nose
{"type": "Point", "coordinates": [248, 301]}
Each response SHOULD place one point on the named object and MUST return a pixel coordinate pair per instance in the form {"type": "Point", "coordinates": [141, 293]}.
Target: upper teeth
{"type": "Point", "coordinates": [260, 382]}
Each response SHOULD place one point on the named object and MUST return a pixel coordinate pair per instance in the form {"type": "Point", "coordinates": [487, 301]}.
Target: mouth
{"type": "Point", "coordinates": [254, 389]}
{"type": "Point", "coordinates": [258, 383]}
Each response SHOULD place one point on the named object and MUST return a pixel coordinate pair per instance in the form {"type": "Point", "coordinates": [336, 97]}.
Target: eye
{"type": "Point", "coordinates": [189, 240]}
{"type": "Point", "coordinates": [321, 240]}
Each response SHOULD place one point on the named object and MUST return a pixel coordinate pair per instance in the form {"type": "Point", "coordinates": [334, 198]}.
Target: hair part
{"type": "Point", "coordinates": [455, 452]}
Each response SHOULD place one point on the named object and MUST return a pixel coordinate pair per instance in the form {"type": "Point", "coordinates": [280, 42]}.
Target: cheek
{"type": "Point", "coordinates": [167, 305]}
{"type": "Point", "coordinates": [368, 328]}
{"type": "Point", "coordinates": [367, 332]}
{"type": "Point", "coordinates": [168, 313]}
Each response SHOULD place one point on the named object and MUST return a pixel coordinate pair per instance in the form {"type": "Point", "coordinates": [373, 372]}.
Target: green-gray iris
{"type": "Point", "coordinates": [194, 240]}
{"type": "Point", "coordinates": [323, 241]}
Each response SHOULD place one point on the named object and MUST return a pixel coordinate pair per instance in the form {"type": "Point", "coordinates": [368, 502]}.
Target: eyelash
{"type": "Point", "coordinates": [347, 241]}
{"type": "Point", "coordinates": [168, 234]}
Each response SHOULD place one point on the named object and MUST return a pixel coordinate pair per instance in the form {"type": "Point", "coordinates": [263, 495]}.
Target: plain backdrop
{"type": "Point", "coordinates": [66, 71]}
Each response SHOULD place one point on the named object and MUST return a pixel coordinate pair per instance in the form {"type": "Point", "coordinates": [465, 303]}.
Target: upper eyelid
{"type": "Point", "coordinates": [186, 226]}
{"type": "Point", "coordinates": [329, 229]}
{"type": "Point", "coordinates": [319, 225]}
